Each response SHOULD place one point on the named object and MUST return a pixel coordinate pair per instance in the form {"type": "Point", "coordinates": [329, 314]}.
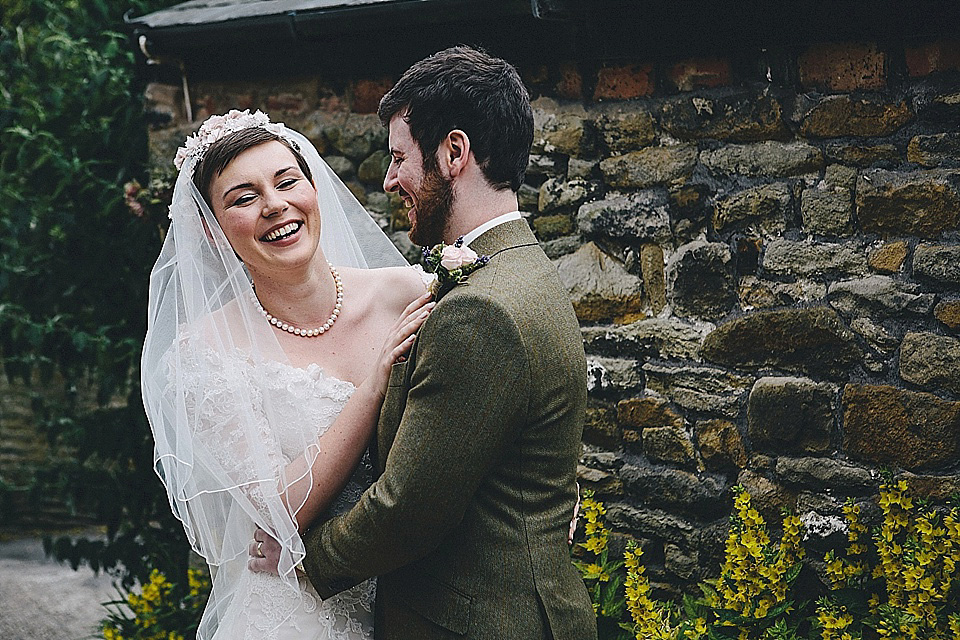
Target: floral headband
{"type": "Point", "coordinates": [216, 127]}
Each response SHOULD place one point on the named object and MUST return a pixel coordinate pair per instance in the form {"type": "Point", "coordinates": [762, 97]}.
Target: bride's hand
{"type": "Point", "coordinates": [399, 340]}
{"type": "Point", "coordinates": [264, 553]}
{"type": "Point", "coordinates": [576, 518]}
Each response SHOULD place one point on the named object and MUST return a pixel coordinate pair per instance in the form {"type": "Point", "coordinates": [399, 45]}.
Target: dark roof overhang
{"type": "Point", "coordinates": [337, 33]}
{"type": "Point", "coordinates": [220, 37]}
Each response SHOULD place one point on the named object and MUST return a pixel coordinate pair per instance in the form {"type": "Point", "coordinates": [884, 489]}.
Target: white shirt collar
{"type": "Point", "coordinates": [490, 224]}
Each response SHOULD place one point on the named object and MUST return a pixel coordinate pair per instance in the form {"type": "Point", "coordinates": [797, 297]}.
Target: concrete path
{"type": "Point", "coordinates": [43, 600]}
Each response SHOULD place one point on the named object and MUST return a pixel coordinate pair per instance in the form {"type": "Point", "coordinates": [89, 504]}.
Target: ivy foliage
{"type": "Point", "coordinates": [74, 265]}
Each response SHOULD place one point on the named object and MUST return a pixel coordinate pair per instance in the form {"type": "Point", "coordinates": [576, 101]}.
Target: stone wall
{"type": "Point", "coordinates": [763, 252]}
{"type": "Point", "coordinates": [25, 451]}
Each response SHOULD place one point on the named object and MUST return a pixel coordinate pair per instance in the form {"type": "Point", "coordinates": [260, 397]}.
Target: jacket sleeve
{"type": "Point", "coordinates": [468, 391]}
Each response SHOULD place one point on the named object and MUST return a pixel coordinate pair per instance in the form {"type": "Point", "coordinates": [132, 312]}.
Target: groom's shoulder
{"type": "Point", "coordinates": [514, 279]}
{"type": "Point", "coordinates": [523, 269]}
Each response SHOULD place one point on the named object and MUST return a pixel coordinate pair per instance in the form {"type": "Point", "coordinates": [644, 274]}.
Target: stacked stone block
{"type": "Point", "coordinates": [764, 259]}
{"type": "Point", "coordinates": [25, 449]}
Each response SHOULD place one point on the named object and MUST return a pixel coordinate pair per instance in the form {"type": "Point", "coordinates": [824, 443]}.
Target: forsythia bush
{"type": "Point", "coordinates": [651, 619]}
{"type": "Point", "coordinates": [160, 611]}
{"type": "Point", "coordinates": [752, 593]}
{"type": "Point", "coordinates": [899, 581]}
{"type": "Point", "coordinates": [601, 576]}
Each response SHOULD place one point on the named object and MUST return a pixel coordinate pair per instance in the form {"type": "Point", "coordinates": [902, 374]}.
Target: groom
{"type": "Point", "coordinates": [479, 434]}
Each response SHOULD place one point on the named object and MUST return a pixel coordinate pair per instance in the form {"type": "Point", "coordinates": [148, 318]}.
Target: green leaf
{"type": "Point", "coordinates": [73, 267]}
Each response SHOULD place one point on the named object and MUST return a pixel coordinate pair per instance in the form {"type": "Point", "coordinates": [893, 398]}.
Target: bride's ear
{"type": "Point", "coordinates": [206, 230]}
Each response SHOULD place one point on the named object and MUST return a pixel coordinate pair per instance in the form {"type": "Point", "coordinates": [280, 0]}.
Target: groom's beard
{"type": "Point", "coordinates": [434, 209]}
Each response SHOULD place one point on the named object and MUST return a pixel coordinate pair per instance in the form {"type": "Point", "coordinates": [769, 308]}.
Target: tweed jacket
{"type": "Point", "coordinates": [476, 446]}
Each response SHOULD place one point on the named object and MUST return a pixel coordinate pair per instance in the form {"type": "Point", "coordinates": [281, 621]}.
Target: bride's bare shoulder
{"type": "Point", "coordinates": [227, 320]}
{"type": "Point", "coordinates": [395, 285]}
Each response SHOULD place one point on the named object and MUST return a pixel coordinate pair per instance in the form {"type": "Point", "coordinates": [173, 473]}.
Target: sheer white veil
{"type": "Point", "coordinates": [217, 447]}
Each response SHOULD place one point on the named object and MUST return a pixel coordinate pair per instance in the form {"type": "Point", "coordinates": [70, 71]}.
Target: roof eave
{"type": "Point", "coordinates": [309, 25]}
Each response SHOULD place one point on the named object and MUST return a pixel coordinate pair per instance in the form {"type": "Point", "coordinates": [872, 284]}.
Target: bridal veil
{"type": "Point", "coordinates": [219, 456]}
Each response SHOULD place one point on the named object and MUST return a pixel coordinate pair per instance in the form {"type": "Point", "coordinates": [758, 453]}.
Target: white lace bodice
{"type": "Point", "coordinates": [303, 403]}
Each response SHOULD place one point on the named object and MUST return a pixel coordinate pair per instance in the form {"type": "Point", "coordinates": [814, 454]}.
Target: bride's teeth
{"type": "Point", "coordinates": [282, 231]}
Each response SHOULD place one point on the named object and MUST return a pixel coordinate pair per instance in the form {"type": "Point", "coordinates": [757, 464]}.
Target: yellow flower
{"type": "Point", "coordinates": [111, 633]}
{"type": "Point", "coordinates": [595, 545]}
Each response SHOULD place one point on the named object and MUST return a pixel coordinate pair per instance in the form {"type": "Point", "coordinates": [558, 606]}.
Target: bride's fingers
{"type": "Point", "coordinates": [412, 309]}
{"type": "Point", "coordinates": [415, 320]}
{"type": "Point", "coordinates": [401, 336]}
{"type": "Point", "coordinates": [412, 325]}
{"type": "Point", "coordinates": [401, 349]}
{"type": "Point", "coordinates": [415, 306]}
{"type": "Point", "coordinates": [263, 565]}
{"type": "Point", "coordinates": [263, 544]}
{"type": "Point", "coordinates": [405, 336]}
{"type": "Point", "coordinates": [411, 313]}
{"type": "Point", "coordinates": [419, 302]}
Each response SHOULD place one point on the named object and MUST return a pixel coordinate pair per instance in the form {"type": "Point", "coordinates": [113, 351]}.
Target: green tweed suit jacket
{"type": "Point", "coordinates": [477, 447]}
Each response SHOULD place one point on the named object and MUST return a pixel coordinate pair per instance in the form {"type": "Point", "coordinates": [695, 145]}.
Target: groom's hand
{"type": "Point", "coordinates": [264, 553]}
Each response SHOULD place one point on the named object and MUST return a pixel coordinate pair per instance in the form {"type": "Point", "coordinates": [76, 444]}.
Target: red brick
{"type": "Point", "coordinates": [570, 84]}
{"type": "Point", "coordinates": [700, 73]}
{"type": "Point", "coordinates": [535, 75]}
{"type": "Point", "coordinates": [366, 94]}
{"type": "Point", "coordinates": [165, 100]}
{"type": "Point", "coordinates": [328, 100]}
{"type": "Point", "coordinates": [933, 57]}
{"type": "Point", "coordinates": [843, 67]}
{"type": "Point", "coordinates": [287, 103]}
{"type": "Point", "coordinates": [204, 106]}
{"type": "Point", "coordinates": [624, 82]}
{"type": "Point", "coordinates": [241, 101]}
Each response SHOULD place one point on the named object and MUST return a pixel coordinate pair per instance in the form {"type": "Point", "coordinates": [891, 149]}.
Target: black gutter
{"type": "Point", "coordinates": [305, 27]}
{"type": "Point", "coordinates": [384, 38]}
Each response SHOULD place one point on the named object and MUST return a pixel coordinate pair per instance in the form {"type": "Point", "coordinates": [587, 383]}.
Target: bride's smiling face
{"type": "Point", "coordinates": [267, 209]}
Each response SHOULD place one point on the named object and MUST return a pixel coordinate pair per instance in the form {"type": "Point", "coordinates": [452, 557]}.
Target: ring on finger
{"type": "Point", "coordinates": [260, 549]}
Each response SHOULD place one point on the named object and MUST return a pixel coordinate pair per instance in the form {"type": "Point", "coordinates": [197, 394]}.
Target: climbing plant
{"type": "Point", "coordinates": [74, 263]}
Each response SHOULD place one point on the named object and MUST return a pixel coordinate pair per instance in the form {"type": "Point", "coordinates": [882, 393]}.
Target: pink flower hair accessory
{"type": "Point", "coordinates": [216, 127]}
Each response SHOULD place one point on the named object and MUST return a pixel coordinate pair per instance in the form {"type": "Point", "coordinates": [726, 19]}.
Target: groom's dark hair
{"type": "Point", "coordinates": [467, 89]}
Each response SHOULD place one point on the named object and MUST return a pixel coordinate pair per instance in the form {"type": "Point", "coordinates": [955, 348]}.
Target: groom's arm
{"type": "Point", "coordinates": [467, 390]}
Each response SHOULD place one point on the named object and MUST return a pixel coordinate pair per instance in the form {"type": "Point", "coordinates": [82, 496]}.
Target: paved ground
{"type": "Point", "coordinates": [43, 600]}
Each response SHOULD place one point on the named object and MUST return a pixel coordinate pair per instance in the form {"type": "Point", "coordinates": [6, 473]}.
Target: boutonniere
{"type": "Point", "coordinates": [451, 264]}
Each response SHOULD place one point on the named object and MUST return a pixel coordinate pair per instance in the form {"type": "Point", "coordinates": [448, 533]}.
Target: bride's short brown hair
{"type": "Point", "coordinates": [223, 151]}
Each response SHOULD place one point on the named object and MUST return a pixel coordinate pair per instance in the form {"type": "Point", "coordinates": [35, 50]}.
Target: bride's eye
{"type": "Point", "coordinates": [242, 200]}
{"type": "Point", "coordinates": [289, 182]}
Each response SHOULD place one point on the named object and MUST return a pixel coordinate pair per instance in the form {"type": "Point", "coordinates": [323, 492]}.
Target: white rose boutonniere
{"type": "Point", "coordinates": [451, 264]}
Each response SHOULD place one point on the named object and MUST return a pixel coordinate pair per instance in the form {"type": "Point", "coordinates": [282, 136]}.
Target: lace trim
{"type": "Point", "coordinates": [263, 612]}
{"type": "Point", "coordinates": [226, 395]}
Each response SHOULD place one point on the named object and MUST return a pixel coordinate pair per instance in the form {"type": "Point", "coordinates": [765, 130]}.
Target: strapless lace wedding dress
{"type": "Point", "coordinates": [306, 401]}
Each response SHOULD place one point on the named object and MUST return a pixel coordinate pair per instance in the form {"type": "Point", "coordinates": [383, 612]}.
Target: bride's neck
{"type": "Point", "coordinates": [304, 299]}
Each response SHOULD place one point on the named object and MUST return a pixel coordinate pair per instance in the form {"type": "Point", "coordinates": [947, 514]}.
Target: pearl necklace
{"type": "Point", "coordinates": [307, 333]}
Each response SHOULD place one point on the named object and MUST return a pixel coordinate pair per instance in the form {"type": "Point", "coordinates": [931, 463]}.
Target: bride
{"type": "Point", "coordinates": [277, 307]}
